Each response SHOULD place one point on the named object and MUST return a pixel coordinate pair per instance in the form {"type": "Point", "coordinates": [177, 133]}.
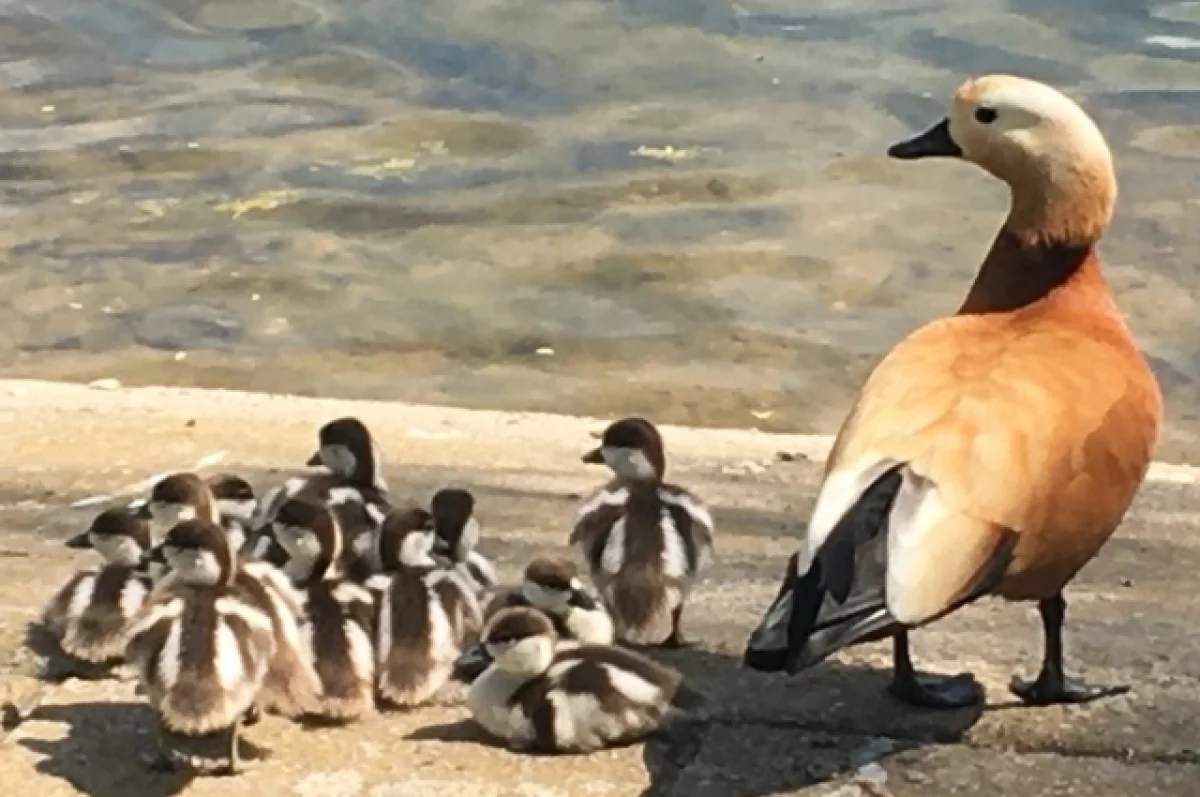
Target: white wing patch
{"type": "Point", "coordinates": [81, 598]}
{"type": "Point", "coordinates": [841, 491]}
{"type": "Point", "coordinates": [344, 495]}
{"type": "Point", "coordinates": [256, 619]}
{"type": "Point", "coordinates": [168, 659]}
{"type": "Point", "coordinates": [689, 504]}
{"type": "Point", "coordinates": [362, 655]}
{"type": "Point", "coordinates": [616, 497]}
{"type": "Point", "coordinates": [133, 594]}
{"type": "Point", "coordinates": [633, 686]}
{"type": "Point", "coordinates": [228, 658]}
{"type": "Point", "coordinates": [613, 555]}
{"type": "Point", "coordinates": [674, 555]}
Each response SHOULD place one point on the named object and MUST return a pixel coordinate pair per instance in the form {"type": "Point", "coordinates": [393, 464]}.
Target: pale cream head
{"type": "Point", "coordinates": [1040, 142]}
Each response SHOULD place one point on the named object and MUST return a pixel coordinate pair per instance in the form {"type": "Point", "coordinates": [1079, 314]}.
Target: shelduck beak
{"type": "Point", "coordinates": [80, 541]}
{"type": "Point", "coordinates": [933, 143]}
{"type": "Point", "coordinates": [314, 460]}
{"type": "Point", "coordinates": [594, 457]}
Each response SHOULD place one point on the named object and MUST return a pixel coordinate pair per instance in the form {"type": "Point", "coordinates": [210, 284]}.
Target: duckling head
{"type": "Point", "coordinates": [552, 585]}
{"type": "Point", "coordinates": [234, 496]}
{"type": "Point", "coordinates": [633, 448]}
{"type": "Point", "coordinates": [1040, 142]}
{"type": "Point", "coordinates": [176, 498]}
{"type": "Point", "coordinates": [310, 536]}
{"type": "Point", "coordinates": [454, 524]}
{"type": "Point", "coordinates": [117, 535]}
{"type": "Point", "coordinates": [520, 641]}
{"type": "Point", "coordinates": [346, 447]}
{"type": "Point", "coordinates": [197, 552]}
{"type": "Point", "coordinates": [406, 539]}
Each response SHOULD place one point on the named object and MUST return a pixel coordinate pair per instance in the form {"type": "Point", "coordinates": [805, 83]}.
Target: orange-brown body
{"type": "Point", "coordinates": [1040, 420]}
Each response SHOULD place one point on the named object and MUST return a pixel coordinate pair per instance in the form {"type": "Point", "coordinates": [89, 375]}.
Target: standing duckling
{"type": "Point", "coordinates": [201, 644]}
{"type": "Point", "coordinates": [552, 586]}
{"type": "Point", "coordinates": [427, 615]}
{"type": "Point", "coordinates": [338, 625]}
{"type": "Point", "coordinates": [458, 532]}
{"type": "Point", "coordinates": [643, 540]}
{"type": "Point", "coordinates": [354, 473]}
{"type": "Point", "coordinates": [995, 451]}
{"type": "Point", "coordinates": [90, 613]}
{"type": "Point", "coordinates": [541, 696]}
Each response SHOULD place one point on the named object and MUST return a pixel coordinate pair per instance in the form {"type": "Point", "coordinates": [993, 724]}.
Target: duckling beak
{"type": "Point", "coordinates": [933, 143]}
{"type": "Point", "coordinates": [314, 460]}
{"type": "Point", "coordinates": [471, 664]}
{"type": "Point", "coordinates": [581, 600]}
{"type": "Point", "coordinates": [80, 541]}
{"type": "Point", "coordinates": [141, 511]}
{"type": "Point", "coordinates": [594, 457]}
{"type": "Point", "coordinates": [155, 556]}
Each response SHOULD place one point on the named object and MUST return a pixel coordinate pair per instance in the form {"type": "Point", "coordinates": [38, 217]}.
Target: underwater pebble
{"type": "Point", "coordinates": [105, 384]}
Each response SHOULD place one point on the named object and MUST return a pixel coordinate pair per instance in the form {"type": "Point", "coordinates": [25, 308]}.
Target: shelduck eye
{"type": "Point", "coordinates": [985, 115]}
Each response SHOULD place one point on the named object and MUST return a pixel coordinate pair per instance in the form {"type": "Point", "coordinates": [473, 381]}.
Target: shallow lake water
{"type": "Point", "coordinates": [673, 207]}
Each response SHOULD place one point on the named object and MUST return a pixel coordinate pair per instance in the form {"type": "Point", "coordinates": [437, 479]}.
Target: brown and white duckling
{"type": "Point", "coordinates": [552, 586]}
{"type": "Point", "coordinates": [339, 624]}
{"type": "Point", "coordinates": [234, 496]}
{"type": "Point", "coordinates": [201, 644]}
{"type": "Point", "coordinates": [541, 696]}
{"type": "Point", "coordinates": [89, 615]}
{"type": "Point", "coordinates": [426, 616]}
{"type": "Point", "coordinates": [185, 496]}
{"type": "Point", "coordinates": [354, 473]}
{"type": "Point", "coordinates": [305, 553]}
{"type": "Point", "coordinates": [458, 533]}
{"type": "Point", "coordinates": [643, 540]}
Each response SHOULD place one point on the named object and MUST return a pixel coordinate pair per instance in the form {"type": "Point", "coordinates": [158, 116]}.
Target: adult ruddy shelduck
{"type": "Point", "coordinates": [995, 451]}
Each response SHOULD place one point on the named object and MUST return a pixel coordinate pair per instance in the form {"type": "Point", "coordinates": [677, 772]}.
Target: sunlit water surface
{"type": "Point", "coordinates": [672, 207]}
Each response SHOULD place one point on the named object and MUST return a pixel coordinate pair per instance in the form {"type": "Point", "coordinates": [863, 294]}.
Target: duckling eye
{"type": "Point", "coordinates": [985, 115]}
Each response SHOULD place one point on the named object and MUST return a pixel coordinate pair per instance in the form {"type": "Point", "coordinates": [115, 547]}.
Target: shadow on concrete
{"type": "Point", "coordinates": [107, 750]}
{"type": "Point", "coordinates": [762, 734]}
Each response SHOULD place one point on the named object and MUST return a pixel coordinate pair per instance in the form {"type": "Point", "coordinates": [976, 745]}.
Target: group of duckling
{"type": "Point", "coordinates": [323, 600]}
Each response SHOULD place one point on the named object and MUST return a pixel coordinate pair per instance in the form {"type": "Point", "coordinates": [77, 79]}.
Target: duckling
{"type": "Point", "coordinates": [552, 586]}
{"type": "Point", "coordinates": [201, 644]}
{"type": "Point", "coordinates": [356, 553]}
{"type": "Point", "coordinates": [234, 496]}
{"type": "Point", "coordinates": [338, 628]}
{"type": "Point", "coordinates": [427, 615]}
{"type": "Point", "coordinates": [184, 496]}
{"type": "Point", "coordinates": [458, 533]}
{"type": "Point", "coordinates": [89, 615]}
{"type": "Point", "coordinates": [540, 696]}
{"type": "Point", "coordinates": [643, 540]}
{"type": "Point", "coordinates": [994, 451]}
{"type": "Point", "coordinates": [354, 473]}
